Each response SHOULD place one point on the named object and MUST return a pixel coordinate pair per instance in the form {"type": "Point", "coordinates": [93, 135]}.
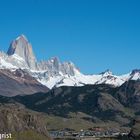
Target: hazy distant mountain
{"type": "Point", "coordinates": [53, 73]}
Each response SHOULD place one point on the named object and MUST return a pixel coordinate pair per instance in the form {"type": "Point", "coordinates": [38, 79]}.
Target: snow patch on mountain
{"type": "Point", "coordinates": [6, 65]}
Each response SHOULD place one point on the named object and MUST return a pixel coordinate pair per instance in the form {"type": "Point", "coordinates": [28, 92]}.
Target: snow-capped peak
{"type": "Point", "coordinates": [53, 72]}
{"type": "Point", "coordinates": [135, 74]}
{"type": "Point", "coordinates": [135, 71]}
{"type": "Point", "coordinates": [107, 72]}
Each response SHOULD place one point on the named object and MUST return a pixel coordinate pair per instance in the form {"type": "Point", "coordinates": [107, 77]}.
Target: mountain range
{"type": "Point", "coordinates": [53, 73]}
{"type": "Point", "coordinates": [60, 96]}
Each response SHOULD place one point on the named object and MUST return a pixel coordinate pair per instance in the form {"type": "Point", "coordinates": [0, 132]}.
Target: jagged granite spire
{"type": "Point", "coordinates": [21, 47]}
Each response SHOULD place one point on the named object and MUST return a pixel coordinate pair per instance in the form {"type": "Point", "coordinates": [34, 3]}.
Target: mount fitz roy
{"type": "Point", "coordinates": [53, 73]}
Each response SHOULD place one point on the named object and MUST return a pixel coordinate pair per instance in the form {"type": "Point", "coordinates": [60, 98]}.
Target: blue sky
{"type": "Point", "coordinates": [94, 34]}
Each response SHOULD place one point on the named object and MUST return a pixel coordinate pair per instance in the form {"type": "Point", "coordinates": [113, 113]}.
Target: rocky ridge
{"type": "Point", "coordinates": [53, 73]}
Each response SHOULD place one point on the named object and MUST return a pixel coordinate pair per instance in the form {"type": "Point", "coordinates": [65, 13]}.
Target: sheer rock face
{"type": "Point", "coordinates": [21, 47]}
{"type": "Point", "coordinates": [55, 68]}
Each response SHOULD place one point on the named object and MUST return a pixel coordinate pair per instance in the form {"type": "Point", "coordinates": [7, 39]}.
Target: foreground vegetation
{"type": "Point", "coordinates": [29, 135]}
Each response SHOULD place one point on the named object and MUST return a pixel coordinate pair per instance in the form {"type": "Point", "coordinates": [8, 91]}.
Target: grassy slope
{"type": "Point", "coordinates": [76, 122]}
{"type": "Point", "coordinates": [28, 135]}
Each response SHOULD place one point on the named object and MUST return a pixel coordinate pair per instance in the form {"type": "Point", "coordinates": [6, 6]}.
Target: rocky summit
{"type": "Point", "coordinates": [22, 48]}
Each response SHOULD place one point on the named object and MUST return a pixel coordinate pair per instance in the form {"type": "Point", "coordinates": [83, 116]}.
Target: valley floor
{"type": "Point", "coordinates": [87, 138]}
